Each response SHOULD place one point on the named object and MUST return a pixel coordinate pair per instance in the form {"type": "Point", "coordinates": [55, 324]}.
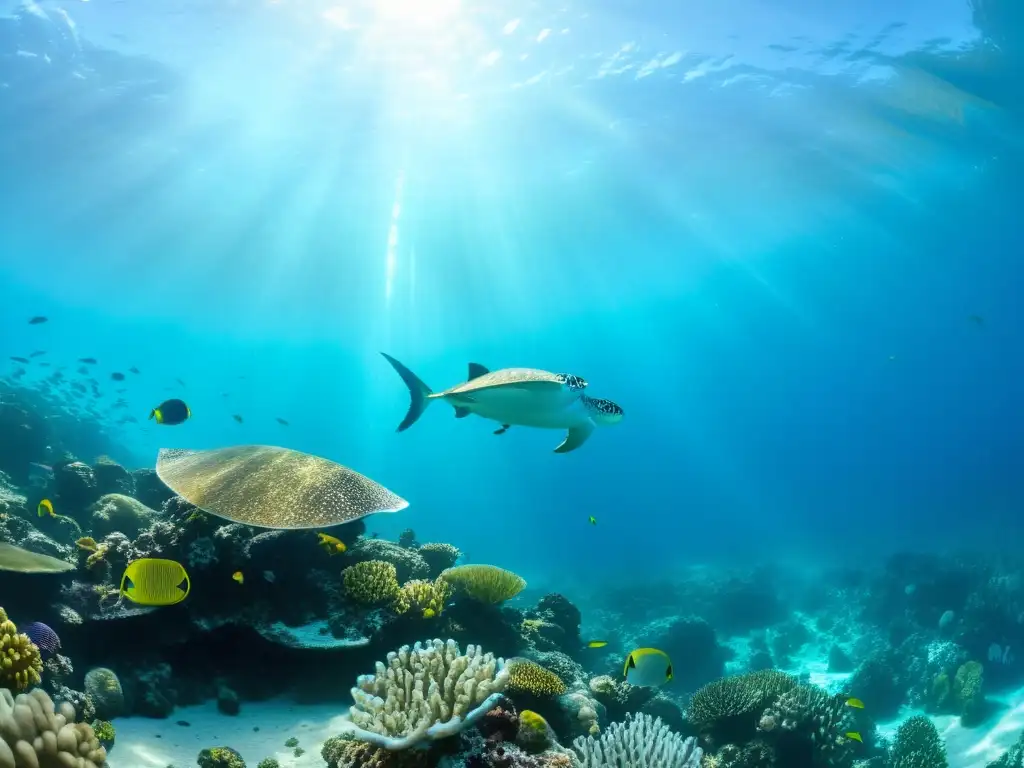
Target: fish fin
{"type": "Point", "coordinates": [461, 411]}
{"type": "Point", "coordinates": [419, 393]}
{"type": "Point", "coordinates": [476, 371]}
{"type": "Point", "coordinates": [576, 437]}
{"type": "Point", "coordinates": [502, 430]}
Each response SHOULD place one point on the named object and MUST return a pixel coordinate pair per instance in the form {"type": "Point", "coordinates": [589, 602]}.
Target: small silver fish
{"type": "Point", "coordinates": [269, 576]}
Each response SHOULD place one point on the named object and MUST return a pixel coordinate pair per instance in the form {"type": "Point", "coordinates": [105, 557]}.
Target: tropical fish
{"type": "Point", "coordinates": [331, 545]}
{"type": "Point", "coordinates": [153, 581]}
{"type": "Point", "coordinates": [171, 412]}
{"type": "Point", "coordinates": [39, 472]}
{"type": "Point", "coordinates": [281, 421]}
{"type": "Point", "coordinates": [525, 397]}
{"type": "Point", "coordinates": [87, 360]}
{"type": "Point", "coordinates": [19, 359]}
{"type": "Point", "coordinates": [45, 507]}
{"type": "Point", "coordinates": [37, 320]}
{"type": "Point", "coordinates": [117, 376]}
{"type": "Point", "coordinates": [593, 520]}
{"type": "Point", "coordinates": [597, 644]}
{"type": "Point", "coordinates": [269, 576]}
{"type": "Point", "coordinates": [38, 353]}
{"type": "Point", "coordinates": [82, 370]}
{"type": "Point", "coordinates": [647, 666]}
{"type": "Point", "coordinates": [856, 703]}
{"type": "Point", "coordinates": [182, 383]}
{"type": "Point", "coordinates": [238, 576]}
{"type": "Point", "coordinates": [237, 418]}
{"type": "Point", "coordinates": [133, 369]}
{"type": "Point", "coordinates": [271, 487]}
{"type": "Point", "coordinates": [44, 637]}
{"type": "Point", "coordinates": [855, 736]}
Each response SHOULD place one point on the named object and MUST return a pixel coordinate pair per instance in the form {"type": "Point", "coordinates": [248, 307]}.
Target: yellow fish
{"type": "Point", "coordinates": [856, 703]}
{"type": "Point", "coordinates": [597, 644]}
{"type": "Point", "coordinates": [647, 666]}
{"type": "Point", "coordinates": [239, 577]}
{"type": "Point", "coordinates": [45, 508]}
{"type": "Point", "coordinates": [593, 520]}
{"type": "Point", "coordinates": [855, 736]}
{"type": "Point", "coordinates": [429, 613]}
{"type": "Point", "coordinates": [331, 545]}
{"type": "Point", "coordinates": [152, 581]}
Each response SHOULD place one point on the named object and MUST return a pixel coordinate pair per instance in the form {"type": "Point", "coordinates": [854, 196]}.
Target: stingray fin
{"type": "Point", "coordinates": [576, 437]}
{"type": "Point", "coordinates": [461, 411]}
{"type": "Point", "coordinates": [476, 371]}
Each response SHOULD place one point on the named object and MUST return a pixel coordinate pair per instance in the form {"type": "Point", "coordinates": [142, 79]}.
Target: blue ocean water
{"type": "Point", "coordinates": [784, 236]}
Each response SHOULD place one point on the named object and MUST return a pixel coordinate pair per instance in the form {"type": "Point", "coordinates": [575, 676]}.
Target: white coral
{"type": "Point", "coordinates": [639, 742]}
{"type": "Point", "coordinates": [426, 692]}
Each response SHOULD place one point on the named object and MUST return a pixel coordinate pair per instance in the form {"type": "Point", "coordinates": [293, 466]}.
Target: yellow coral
{"type": "Point", "coordinates": [20, 663]}
{"type": "Point", "coordinates": [486, 583]}
{"type": "Point", "coordinates": [373, 582]}
{"type": "Point", "coordinates": [532, 721]}
{"type": "Point", "coordinates": [528, 676]}
{"type": "Point", "coordinates": [427, 598]}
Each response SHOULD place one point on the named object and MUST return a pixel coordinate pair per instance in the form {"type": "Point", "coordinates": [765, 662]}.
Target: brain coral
{"type": "Point", "coordinates": [117, 512]}
{"type": "Point", "coordinates": [104, 688]}
{"type": "Point", "coordinates": [424, 693]}
{"type": "Point", "coordinates": [530, 677]}
{"type": "Point", "coordinates": [20, 663]}
{"type": "Point", "coordinates": [486, 583]}
{"type": "Point", "coordinates": [33, 735]}
{"type": "Point", "coordinates": [439, 556]}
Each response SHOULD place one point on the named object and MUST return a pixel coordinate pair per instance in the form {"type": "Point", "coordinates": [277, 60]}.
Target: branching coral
{"type": "Point", "coordinates": [21, 665]}
{"type": "Point", "coordinates": [530, 677]}
{"type": "Point", "coordinates": [817, 718]}
{"type": "Point", "coordinates": [33, 734]}
{"type": "Point", "coordinates": [639, 742]}
{"type": "Point", "coordinates": [424, 693]}
{"type": "Point", "coordinates": [918, 745]}
{"type": "Point", "coordinates": [372, 582]}
{"type": "Point", "coordinates": [486, 583]}
{"type": "Point", "coordinates": [731, 706]}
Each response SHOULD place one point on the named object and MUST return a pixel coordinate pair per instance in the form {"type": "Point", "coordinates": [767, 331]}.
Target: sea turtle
{"type": "Point", "coordinates": [516, 396]}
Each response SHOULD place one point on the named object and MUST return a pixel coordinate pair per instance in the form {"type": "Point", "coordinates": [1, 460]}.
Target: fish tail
{"type": "Point", "coordinates": [419, 393]}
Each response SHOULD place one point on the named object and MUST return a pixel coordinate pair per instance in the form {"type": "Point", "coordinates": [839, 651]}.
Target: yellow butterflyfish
{"type": "Point", "coordinates": [45, 508]}
{"type": "Point", "coordinates": [238, 576]}
{"type": "Point", "coordinates": [153, 581]}
{"type": "Point", "coordinates": [331, 544]}
{"type": "Point", "coordinates": [648, 666]}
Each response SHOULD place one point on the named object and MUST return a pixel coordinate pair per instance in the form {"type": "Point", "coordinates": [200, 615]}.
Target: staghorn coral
{"type": "Point", "coordinates": [33, 735]}
{"type": "Point", "coordinates": [918, 745]}
{"type": "Point", "coordinates": [439, 556]}
{"type": "Point", "coordinates": [21, 666]}
{"type": "Point", "coordinates": [486, 583]}
{"type": "Point", "coordinates": [531, 677]}
{"type": "Point", "coordinates": [426, 598]}
{"type": "Point", "coordinates": [425, 693]}
{"type": "Point", "coordinates": [373, 582]}
{"type": "Point", "coordinates": [730, 707]}
{"type": "Point", "coordinates": [639, 742]}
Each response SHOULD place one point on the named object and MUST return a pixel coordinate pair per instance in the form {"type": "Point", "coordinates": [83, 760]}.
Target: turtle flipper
{"type": "Point", "coordinates": [576, 437]}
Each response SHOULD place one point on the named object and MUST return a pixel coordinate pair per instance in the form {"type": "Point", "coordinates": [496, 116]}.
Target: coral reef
{"type": "Point", "coordinates": [639, 742]}
{"type": "Point", "coordinates": [32, 733]}
{"type": "Point", "coordinates": [918, 745]}
{"type": "Point", "coordinates": [21, 665]}
{"type": "Point", "coordinates": [531, 677]}
{"type": "Point", "coordinates": [485, 583]}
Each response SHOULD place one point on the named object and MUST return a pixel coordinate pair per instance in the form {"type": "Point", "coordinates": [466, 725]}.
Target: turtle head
{"type": "Point", "coordinates": [603, 412]}
{"type": "Point", "coordinates": [573, 382]}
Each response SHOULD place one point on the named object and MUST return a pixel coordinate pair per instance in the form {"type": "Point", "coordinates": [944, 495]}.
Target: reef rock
{"type": "Point", "coordinates": [117, 512]}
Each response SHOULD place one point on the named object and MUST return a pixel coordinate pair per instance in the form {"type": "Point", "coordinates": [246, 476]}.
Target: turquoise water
{"type": "Point", "coordinates": [783, 236]}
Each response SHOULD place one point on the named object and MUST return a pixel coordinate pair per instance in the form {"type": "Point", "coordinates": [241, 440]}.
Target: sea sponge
{"type": "Point", "coordinates": [535, 735]}
{"type": "Point", "coordinates": [372, 582]}
{"type": "Point", "coordinates": [427, 598]}
{"type": "Point", "coordinates": [918, 745]}
{"type": "Point", "coordinates": [731, 706]}
{"type": "Point", "coordinates": [21, 666]}
{"type": "Point", "coordinates": [424, 693]}
{"type": "Point", "coordinates": [104, 688]}
{"type": "Point", "coordinates": [439, 556]}
{"type": "Point", "coordinates": [33, 735]}
{"type": "Point", "coordinates": [486, 583]}
{"type": "Point", "coordinates": [639, 742]}
{"type": "Point", "coordinates": [530, 677]}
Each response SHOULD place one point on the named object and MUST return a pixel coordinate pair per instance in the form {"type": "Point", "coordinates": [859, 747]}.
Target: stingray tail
{"type": "Point", "coordinates": [419, 393]}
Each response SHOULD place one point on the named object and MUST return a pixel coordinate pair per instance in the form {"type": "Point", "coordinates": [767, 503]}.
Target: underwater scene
{"type": "Point", "coordinates": [508, 384]}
